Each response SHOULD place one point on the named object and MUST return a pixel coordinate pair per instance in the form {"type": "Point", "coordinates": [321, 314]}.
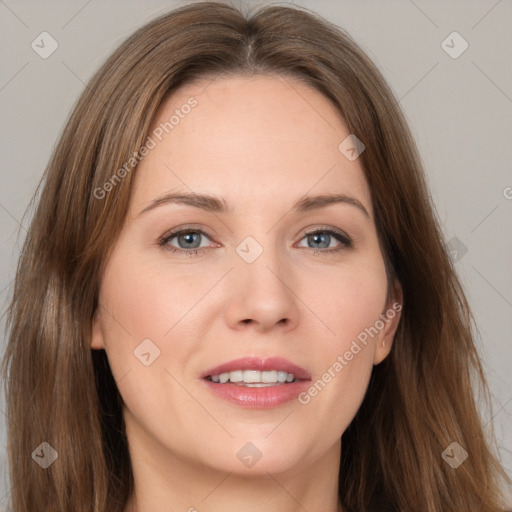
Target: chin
{"type": "Point", "coordinates": [257, 456]}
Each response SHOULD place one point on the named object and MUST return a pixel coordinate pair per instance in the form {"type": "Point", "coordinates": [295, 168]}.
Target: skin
{"type": "Point", "coordinates": [261, 143]}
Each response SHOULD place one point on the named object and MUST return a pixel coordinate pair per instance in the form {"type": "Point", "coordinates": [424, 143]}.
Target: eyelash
{"type": "Point", "coordinates": [346, 242]}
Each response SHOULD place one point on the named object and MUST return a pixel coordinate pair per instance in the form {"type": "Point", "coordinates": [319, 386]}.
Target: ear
{"type": "Point", "coordinates": [390, 317]}
{"type": "Point", "coordinates": [97, 342]}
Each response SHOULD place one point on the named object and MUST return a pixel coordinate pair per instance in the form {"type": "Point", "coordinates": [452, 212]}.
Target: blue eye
{"type": "Point", "coordinates": [190, 243]}
{"type": "Point", "coordinates": [324, 236]}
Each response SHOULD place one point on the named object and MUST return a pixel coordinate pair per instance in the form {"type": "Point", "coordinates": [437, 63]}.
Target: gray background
{"type": "Point", "coordinates": [459, 110]}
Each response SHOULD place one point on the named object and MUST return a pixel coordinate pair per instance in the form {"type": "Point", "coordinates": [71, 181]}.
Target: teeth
{"type": "Point", "coordinates": [237, 376]}
{"type": "Point", "coordinates": [282, 376]}
{"type": "Point", "coordinates": [270, 376]}
{"type": "Point", "coordinates": [254, 377]}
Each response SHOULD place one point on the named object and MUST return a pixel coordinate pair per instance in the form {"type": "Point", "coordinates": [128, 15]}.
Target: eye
{"type": "Point", "coordinates": [323, 237]}
{"type": "Point", "coordinates": [188, 241]}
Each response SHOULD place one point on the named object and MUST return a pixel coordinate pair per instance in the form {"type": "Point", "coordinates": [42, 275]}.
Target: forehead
{"type": "Point", "coordinates": [256, 141]}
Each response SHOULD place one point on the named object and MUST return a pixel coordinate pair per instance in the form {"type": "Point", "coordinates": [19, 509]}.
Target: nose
{"type": "Point", "coordinates": [262, 295]}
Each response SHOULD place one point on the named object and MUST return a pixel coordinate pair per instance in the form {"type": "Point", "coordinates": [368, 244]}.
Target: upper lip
{"type": "Point", "coordinates": [261, 364]}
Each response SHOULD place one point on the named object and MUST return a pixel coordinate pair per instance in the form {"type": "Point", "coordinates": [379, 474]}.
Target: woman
{"type": "Point", "coordinates": [178, 341]}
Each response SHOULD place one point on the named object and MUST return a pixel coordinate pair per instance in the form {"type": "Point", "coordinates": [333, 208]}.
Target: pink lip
{"type": "Point", "coordinates": [258, 397]}
{"type": "Point", "coordinates": [257, 363]}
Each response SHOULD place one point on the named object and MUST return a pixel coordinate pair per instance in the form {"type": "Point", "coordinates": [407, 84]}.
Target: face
{"type": "Point", "coordinates": [194, 284]}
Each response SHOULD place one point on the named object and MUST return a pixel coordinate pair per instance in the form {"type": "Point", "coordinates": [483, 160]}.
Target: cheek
{"type": "Point", "coordinates": [139, 310]}
{"type": "Point", "coordinates": [150, 309]}
{"type": "Point", "coordinates": [347, 300]}
{"type": "Point", "coordinates": [349, 307]}
{"type": "Point", "coordinates": [335, 396]}
{"type": "Point", "coordinates": [149, 301]}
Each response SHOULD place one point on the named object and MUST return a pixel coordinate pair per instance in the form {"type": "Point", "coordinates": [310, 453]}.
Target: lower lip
{"type": "Point", "coordinates": [258, 398]}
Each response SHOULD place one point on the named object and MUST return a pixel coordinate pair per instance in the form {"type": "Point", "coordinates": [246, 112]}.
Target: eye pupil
{"type": "Point", "coordinates": [317, 239]}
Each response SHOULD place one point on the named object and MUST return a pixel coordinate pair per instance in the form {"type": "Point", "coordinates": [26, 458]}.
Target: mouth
{"type": "Point", "coordinates": [257, 383]}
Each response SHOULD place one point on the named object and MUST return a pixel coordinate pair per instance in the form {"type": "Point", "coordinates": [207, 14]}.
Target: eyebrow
{"type": "Point", "coordinates": [214, 204]}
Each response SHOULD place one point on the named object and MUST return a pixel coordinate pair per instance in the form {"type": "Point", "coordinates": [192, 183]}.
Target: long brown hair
{"type": "Point", "coordinates": [59, 391]}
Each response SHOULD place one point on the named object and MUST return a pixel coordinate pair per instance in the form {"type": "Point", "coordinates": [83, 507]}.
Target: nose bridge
{"type": "Point", "coordinates": [263, 290]}
{"type": "Point", "coordinates": [262, 262]}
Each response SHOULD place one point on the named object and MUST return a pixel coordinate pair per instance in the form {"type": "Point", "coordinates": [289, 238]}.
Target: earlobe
{"type": "Point", "coordinates": [96, 334]}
